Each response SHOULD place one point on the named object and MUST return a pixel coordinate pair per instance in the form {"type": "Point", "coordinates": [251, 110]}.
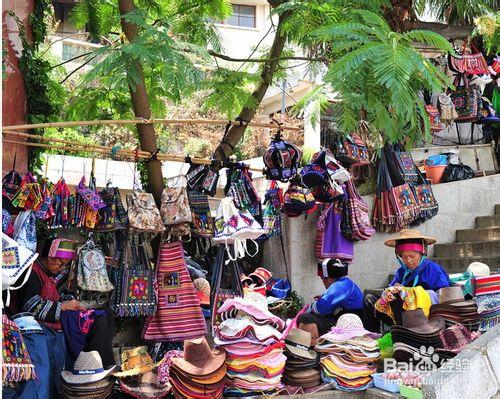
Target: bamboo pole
{"type": "Point", "coordinates": [143, 155]}
{"type": "Point", "coordinates": [104, 122]}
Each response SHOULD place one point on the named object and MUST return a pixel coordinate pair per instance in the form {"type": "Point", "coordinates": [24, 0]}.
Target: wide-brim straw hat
{"type": "Point", "coordinates": [134, 362]}
{"type": "Point", "coordinates": [410, 234]}
{"type": "Point", "coordinates": [94, 390]}
{"type": "Point", "coordinates": [87, 368]}
{"type": "Point", "coordinates": [298, 342]}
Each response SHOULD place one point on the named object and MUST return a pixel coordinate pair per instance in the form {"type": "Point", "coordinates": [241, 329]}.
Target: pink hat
{"type": "Point", "coordinates": [63, 249]}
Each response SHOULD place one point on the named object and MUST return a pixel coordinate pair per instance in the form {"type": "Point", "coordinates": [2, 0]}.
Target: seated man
{"type": "Point", "coordinates": [68, 327]}
{"type": "Point", "coordinates": [342, 295]}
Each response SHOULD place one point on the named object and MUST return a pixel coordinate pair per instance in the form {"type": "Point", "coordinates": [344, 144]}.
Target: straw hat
{"type": "Point", "coordinates": [199, 359]}
{"type": "Point", "coordinates": [479, 269]}
{"type": "Point", "coordinates": [87, 368]}
{"type": "Point", "coordinates": [145, 386]}
{"type": "Point", "coordinates": [298, 342]}
{"type": "Point", "coordinates": [450, 294]}
{"type": "Point", "coordinates": [135, 361]}
{"type": "Point", "coordinates": [410, 234]}
{"type": "Point", "coordinates": [261, 276]}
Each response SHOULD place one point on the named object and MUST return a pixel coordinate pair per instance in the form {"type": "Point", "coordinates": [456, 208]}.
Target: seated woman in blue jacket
{"type": "Point", "coordinates": [414, 270]}
{"type": "Point", "coordinates": [342, 295]}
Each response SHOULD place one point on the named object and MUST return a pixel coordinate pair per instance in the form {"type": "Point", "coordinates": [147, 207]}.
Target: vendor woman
{"type": "Point", "coordinates": [40, 296]}
{"type": "Point", "coordinates": [342, 295]}
{"type": "Point", "coordinates": [414, 270]}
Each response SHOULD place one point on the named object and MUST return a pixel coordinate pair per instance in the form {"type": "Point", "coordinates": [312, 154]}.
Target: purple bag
{"type": "Point", "coordinates": [90, 196]}
{"type": "Point", "coordinates": [330, 242]}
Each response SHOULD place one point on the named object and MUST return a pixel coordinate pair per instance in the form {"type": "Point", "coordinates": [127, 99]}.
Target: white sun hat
{"type": "Point", "coordinates": [87, 368]}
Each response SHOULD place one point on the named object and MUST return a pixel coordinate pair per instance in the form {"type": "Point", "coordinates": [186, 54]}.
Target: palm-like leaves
{"type": "Point", "coordinates": [380, 72]}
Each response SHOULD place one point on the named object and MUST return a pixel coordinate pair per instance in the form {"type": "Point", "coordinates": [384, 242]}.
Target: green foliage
{"type": "Point", "coordinates": [379, 71]}
{"type": "Point", "coordinates": [197, 147]}
{"type": "Point", "coordinates": [488, 27]}
{"type": "Point", "coordinates": [461, 12]}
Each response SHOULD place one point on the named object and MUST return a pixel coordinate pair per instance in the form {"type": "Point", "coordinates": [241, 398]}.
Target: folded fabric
{"type": "Point", "coordinates": [413, 298]}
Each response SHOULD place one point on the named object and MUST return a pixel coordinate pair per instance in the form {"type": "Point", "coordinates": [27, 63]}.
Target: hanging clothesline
{"type": "Point", "coordinates": [112, 152]}
{"type": "Point", "coordinates": [143, 121]}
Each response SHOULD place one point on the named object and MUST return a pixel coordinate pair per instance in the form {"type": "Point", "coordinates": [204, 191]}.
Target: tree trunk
{"type": "Point", "coordinates": [142, 109]}
{"type": "Point", "coordinates": [235, 133]}
{"type": "Point", "coordinates": [401, 16]}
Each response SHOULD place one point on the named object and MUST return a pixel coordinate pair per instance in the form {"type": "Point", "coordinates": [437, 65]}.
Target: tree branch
{"type": "Point", "coordinates": [271, 64]}
{"type": "Point", "coordinates": [268, 60]}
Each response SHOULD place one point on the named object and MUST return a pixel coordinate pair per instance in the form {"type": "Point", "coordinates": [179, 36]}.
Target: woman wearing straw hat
{"type": "Point", "coordinates": [414, 270]}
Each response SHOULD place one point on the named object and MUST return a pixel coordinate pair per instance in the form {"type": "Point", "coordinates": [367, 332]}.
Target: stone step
{"type": "Point", "coordinates": [370, 393]}
{"type": "Point", "coordinates": [487, 221]}
{"type": "Point", "coordinates": [459, 265]}
{"type": "Point", "coordinates": [486, 234]}
{"type": "Point", "coordinates": [497, 209]}
{"type": "Point", "coordinates": [463, 249]}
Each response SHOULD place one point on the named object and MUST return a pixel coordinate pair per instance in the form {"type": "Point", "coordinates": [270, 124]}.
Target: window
{"type": "Point", "coordinates": [242, 16]}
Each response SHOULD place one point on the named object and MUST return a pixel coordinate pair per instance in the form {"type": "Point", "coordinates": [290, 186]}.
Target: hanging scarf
{"type": "Point", "coordinates": [411, 274]}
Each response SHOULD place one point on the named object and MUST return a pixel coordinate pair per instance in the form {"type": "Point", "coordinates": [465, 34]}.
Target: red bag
{"type": "Point", "coordinates": [471, 61]}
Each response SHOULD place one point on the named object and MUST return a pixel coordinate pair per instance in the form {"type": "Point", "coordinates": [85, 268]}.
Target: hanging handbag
{"type": "Point", "coordinates": [93, 286]}
{"type": "Point", "coordinates": [405, 164]}
{"type": "Point", "coordinates": [298, 199]}
{"type": "Point", "coordinates": [240, 187]}
{"type": "Point", "coordinates": [221, 293]}
{"type": "Point", "coordinates": [137, 295]}
{"type": "Point", "coordinates": [202, 224]}
{"type": "Point", "coordinates": [425, 198]}
{"type": "Point", "coordinates": [273, 202]}
{"type": "Point", "coordinates": [175, 203]}
{"type": "Point", "coordinates": [465, 99]}
{"type": "Point", "coordinates": [61, 200]}
{"type": "Point", "coordinates": [281, 159]}
{"type": "Point", "coordinates": [360, 220]}
{"type": "Point", "coordinates": [113, 216]}
{"type": "Point", "coordinates": [143, 214]}
{"type": "Point", "coordinates": [346, 149]}
{"type": "Point", "coordinates": [471, 61]}
{"type": "Point", "coordinates": [434, 118]}
{"type": "Point", "coordinates": [446, 108]}
{"type": "Point", "coordinates": [29, 196]}
{"type": "Point", "coordinates": [330, 242]}
{"type": "Point", "coordinates": [46, 210]}
{"type": "Point", "coordinates": [195, 176]}
{"type": "Point", "coordinates": [209, 184]}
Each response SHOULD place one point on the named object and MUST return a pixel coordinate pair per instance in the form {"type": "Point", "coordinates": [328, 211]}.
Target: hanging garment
{"type": "Point", "coordinates": [330, 242]}
{"type": "Point", "coordinates": [179, 315]}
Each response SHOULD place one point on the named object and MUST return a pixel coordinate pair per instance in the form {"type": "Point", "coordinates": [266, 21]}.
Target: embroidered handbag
{"type": "Point", "coordinates": [11, 184]}
{"type": "Point", "coordinates": [143, 214]}
{"type": "Point", "coordinates": [360, 219]}
{"type": "Point", "coordinates": [298, 199]}
{"type": "Point", "coordinates": [281, 159]}
{"type": "Point", "coordinates": [273, 202]}
{"type": "Point", "coordinates": [92, 273]}
{"type": "Point", "coordinates": [471, 61]}
{"type": "Point", "coordinates": [195, 176]}
{"type": "Point", "coordinates": [425, 198]}
{"type": "Point", "coordinates": [346, 149]}
{"type": "Point", "coordinates": [465, 99]}
{"type": "Point", "coordinates": [136, 294]}
{"type": "Point", "coordinates": [46, 211]}
{"type": "Point", "coordinates": [446, 108]}
{"type": "Point", "coordinates": [405, 164]}
{"type": "Point", "coordinates": [179, 231]}
{"type": "Point", "coordinates": [113, 216]}
{"type": "Point", "coordinates": [434, 118]}
{"type": "Point", "coordinates": [61, 198]}
{"type": "Point", "coordinates": [335, 170]}
{"type": "Point", "coordinates": [16, 361]}
{"type": "Point", "coordinates": [220, 293]}
{"type": "Point", "coordinates": [209, 185]}
{"type": "Point", "coordinates": [202, 224]}
{"type": "Point", "coordinates": [29, 196]}
{"type": "Point", "coordinates": [240, 187]}
{"type": "Point", "coordinates": [175, 203]}
{"type": "Point", "coordinates": [89, 195]}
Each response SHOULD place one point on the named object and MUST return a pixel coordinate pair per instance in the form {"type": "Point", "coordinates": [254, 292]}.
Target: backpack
{"type": "Point", "coordinates": [446, 108]}
{"type": "Point", "coordinates": [298, 199]}
{"type": "Point", "coordinates": [175, 203]}
{"type": "Point", "coordinates": [281, 160]}
{"type": "Point", "coordinates": [113, 216]}
{"type": "Point", "coordinates": [143, 214]}
{"type": "Point", "coordinates": [434, 118]}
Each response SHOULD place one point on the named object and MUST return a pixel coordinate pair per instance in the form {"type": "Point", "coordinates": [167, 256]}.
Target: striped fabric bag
{"type": "Point", "coordinates": [179, 314]}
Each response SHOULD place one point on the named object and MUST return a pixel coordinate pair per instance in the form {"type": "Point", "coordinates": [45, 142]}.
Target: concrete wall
{"type": "Point", "coordinates": [475, 372]}
{"type": "Point", "coordinates": [459, 202]}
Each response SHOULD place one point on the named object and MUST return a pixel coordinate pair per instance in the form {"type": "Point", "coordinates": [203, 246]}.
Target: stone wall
{"type": "Point", "coordinates": [459, 202]}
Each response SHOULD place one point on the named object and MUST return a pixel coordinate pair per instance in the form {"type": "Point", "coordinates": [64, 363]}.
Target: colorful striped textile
{"type": "Point", "coordinates": [179, 315]}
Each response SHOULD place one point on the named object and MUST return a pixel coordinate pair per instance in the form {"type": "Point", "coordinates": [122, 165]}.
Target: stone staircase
{"type": "Point", "coordinates": [481, 244]}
